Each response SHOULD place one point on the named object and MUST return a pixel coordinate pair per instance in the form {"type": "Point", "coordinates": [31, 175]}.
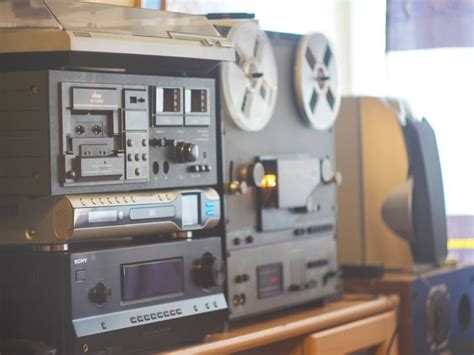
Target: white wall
{"type": "Point", "coordinates": [367, 48]}
{"type": "Point", "coordinates": [439, 84]}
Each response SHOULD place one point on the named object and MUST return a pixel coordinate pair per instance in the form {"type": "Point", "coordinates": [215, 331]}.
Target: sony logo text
{"type": "Point", "coordinates": [80, 261]}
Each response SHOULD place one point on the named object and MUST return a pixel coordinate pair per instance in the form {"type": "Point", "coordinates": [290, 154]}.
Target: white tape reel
{"type": "Point", "coordinates": [250, 84]}
{"type": "Point", "coordinates": [316, 81]}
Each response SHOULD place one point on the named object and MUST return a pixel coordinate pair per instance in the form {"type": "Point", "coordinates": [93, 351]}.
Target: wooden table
{"type": "Point", "coordinates": [357, 322]}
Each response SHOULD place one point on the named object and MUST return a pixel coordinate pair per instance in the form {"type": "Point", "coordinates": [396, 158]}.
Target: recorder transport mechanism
{"type": "Point", "coordinates": [114, 300]}
{"type": "Point", "coordinates": [71, 218]}
{"type": "Point", "coordinates": [278, 173]}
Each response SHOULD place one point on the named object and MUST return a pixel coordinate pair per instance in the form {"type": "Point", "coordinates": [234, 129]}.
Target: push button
{"type": "Point", "coordinates": [294, 287]}
{"type": "Point", "coordinates": [194, 168]}
{"type": "Point", "coordinates": [81, 275]}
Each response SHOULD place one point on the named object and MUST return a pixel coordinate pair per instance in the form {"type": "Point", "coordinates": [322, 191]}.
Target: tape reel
{"type": "Point", "coordinates": [316, 81]}
{"type": "Point", "coordinates": [250, 84]}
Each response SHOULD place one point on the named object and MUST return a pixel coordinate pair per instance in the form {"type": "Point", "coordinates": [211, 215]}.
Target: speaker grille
{"type": "Point", "coordinates": [438, 315]}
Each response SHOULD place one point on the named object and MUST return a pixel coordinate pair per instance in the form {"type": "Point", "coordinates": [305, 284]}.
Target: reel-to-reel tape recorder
{"type": "Point", "coordinates": [280, 99]}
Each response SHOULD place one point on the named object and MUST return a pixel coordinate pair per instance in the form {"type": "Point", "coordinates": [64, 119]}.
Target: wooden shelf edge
{"type": "Point", "coordinates": [286, 330]}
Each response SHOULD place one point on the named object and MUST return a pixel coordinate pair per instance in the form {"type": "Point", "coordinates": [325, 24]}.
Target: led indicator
{"type": "Point", "coordinates": [269, 181]}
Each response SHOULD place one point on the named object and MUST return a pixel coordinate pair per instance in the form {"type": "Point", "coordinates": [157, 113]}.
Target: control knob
{"type": "Point", "coordinates": [252, 174]}
{"type": "Point", "coordinates": [248, 175]}
{"type": "Point", "coordinates": [183, 152]}
{"type": "Point", "coordinates": [209, 271]}
{"type": "Point", "coordinates": [186, 152]}
{"type": "Point", "coordinates": [99, 294]}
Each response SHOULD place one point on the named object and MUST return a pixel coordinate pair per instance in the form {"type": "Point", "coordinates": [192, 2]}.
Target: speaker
{"type": "Point", "coordinates": [436, 308]}
{"type": "Point", "coordinates": [391, 202]}
{"type": "Point", "coordinates": [415, 209]}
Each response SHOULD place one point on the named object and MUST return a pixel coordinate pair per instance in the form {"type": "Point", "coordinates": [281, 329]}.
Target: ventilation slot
{"type": "Point", "coordinates": [9, 210]}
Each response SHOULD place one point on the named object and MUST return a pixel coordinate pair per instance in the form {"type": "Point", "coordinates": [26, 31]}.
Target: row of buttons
{"type": "Point", "coordinates": [306, 286]}
{"type": "Point", "coordinates": [144, 157]}
{"type": "Point", "coordinates": [113, 200]}
{"type": "Point", "coordinates": [207, 306]}
{"type": "Point", "coordinates": [249, 240]}
{"type": "Point", "coordinates": [313, 229]}
{"type": "Point", "coordinates": [316, 263]}
{"type": "Point", "coordinates": [137, 155]}
{"type": "Point", "coordinates": [106, 200]}
{"type": "Point", "coordinates": [200, 168]}
{"type": "Point", "coordinates": [130, 142]}
{"type": "Point", "coordinates": [242, 278]}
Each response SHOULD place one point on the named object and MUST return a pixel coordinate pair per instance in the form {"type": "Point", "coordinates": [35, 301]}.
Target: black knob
{"type": "Point", "coordinates": [209, 271]}
{"type": "Point", "coordinates": [80, 129]}
{"type": "Point", "coordinates": [99, 294]}
{"type": "Point", "coordinates": [186, 152]}
{"type": "Point", "coordinates": [97, 129]}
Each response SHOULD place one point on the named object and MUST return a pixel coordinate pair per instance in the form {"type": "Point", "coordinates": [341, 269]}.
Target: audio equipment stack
{"type": "Point", "coordinates": [108, 177]}
{"type": "Point", "coordinates": [280, 100]}
{"type": "Point", "coordinates": [159, 172]}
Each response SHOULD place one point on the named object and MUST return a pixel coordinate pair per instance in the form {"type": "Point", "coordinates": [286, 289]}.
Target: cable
{"type": "Point", "coordinates": [394, 335]}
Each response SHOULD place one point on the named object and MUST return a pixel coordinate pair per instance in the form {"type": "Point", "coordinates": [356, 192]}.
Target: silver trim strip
{"type": "Point", "coordinates": [148, 315]}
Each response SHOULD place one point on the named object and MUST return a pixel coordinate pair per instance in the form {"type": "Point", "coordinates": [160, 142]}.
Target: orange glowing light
{"type": "Point", "coordinates": [269, 181]}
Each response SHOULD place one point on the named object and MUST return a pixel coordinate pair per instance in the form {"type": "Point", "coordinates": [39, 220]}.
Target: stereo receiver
{"type": "Point", "coordinates": [118, 299]}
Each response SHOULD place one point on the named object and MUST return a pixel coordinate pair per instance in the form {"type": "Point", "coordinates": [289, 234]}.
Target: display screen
{"type": "Point", "coordinates": [270, 280]}
{"type": "Point", "coordinates": [190, 209]}
{"type": "Point", "coordinates": [152, 279]}
{"type": "Point", "coordinates": [102, 216]}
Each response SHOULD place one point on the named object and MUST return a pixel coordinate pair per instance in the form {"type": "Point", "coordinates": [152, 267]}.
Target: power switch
{"type": "Point", "coordinates": [81, 275]}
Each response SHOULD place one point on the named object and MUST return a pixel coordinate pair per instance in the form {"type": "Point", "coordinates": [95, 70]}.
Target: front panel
{"type": "Point", "coordinates": [108, 132]}
{"type": "Point", "coordinates": [123, 299]}
{"type": "Point", "coordinates": [82, 217]}
{"type": "Point", "coordinates": [140, 132]}
{"type": "Point", "coordinates": [127, 287]}
{"type": "Point", "coordinates": [281, 275]}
